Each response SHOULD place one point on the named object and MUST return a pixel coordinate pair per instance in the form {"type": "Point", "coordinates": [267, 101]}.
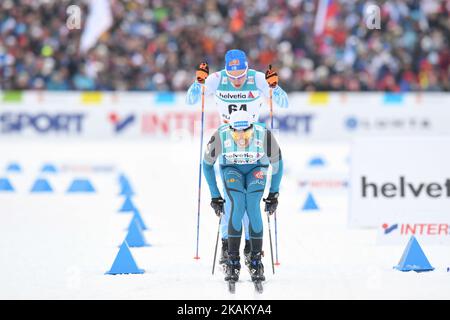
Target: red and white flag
{"type": "Point", "coordinates": [326, 10]}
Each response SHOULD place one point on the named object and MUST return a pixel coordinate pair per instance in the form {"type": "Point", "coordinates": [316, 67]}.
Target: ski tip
{"type": "Point", "coordinates": [196, 258]}
{"type": "Point", "coordinates": [232, 287]}
{"type": "Point", "coordinates": [258, 287]}
{"type": "Point", "coordinates": [277, 263]}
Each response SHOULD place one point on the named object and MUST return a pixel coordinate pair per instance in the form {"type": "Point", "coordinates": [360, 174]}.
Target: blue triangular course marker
{"type": "Point", "coordinates": [123, 179]}
{"type": "Point", "coordinates": [41, 185]}
{"type": "Point", "coordinates": [81, 185]}
{"type": "Point", "coordinates": [127, 205]}
{"type": "Point", "coordinates": [414, 258]}
{"type": "Point", "coordinates": [310, 203]}
{"type": "Point", "coordinates": [137, 216]}
{"type": "Point", "coordinates": [49, 168]}
{"type": "Point", "coordinates": [124, 262]}
{"type": "Point", "coordinates": [125, 186]}
{"type": "Point", "coordinates": [135, 238]}
{"type": "Point", "coordinates": [126, 189]}
{"type": "Point", "coordinates": [13, 167]}
{"type": "Point", "coordinates": [316, 162]}
{"type": "Point", "coordinates": [5, 185]}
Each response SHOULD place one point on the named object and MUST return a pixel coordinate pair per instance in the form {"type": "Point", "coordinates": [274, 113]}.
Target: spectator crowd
{"type": "Point", "coordinates": [156, 44]}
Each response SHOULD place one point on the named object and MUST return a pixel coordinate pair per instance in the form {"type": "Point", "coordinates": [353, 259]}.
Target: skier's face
{"type": "Point", "coordinates": [237, 77]}
{"type": "Point", "coordinates": [242, 137]}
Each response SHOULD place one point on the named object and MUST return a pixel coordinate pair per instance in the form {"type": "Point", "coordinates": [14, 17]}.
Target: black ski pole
{"type": "Point", "coordinates": [200, 172]}
{"type": "Point", "coordinates": [217, 241]}
{"type": "Point", "coordinates": [270, 239]}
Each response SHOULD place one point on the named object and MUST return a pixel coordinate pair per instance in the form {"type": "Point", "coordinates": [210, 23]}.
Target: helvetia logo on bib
{"type": "Point", "coordinates": [234, 95]}
{"type": "Point", "coordinates": [237, 95]}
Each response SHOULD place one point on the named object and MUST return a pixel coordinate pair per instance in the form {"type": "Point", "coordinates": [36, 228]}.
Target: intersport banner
{"type": "Point", "coordinates": [310, 116]}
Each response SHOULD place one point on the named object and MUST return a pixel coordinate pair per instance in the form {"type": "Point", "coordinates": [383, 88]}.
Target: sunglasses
{"type": "Point", "coordinates": [237, 77]}
{"type": "Point", "coordinates": [242, 134]}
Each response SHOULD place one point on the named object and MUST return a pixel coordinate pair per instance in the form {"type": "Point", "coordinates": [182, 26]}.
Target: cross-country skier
{"type": "Point", "coordinates": [245, 149]}
{"type": "Point", "coordinates": [236, 88]}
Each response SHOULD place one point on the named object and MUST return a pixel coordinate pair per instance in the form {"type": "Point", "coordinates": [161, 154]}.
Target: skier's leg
{"type": "Point", "coordinates": [224, 227]}
{"type": "Point", "coordinates": [255, 184]}
{"type": "Point", "coordinates": [247, 246]}
{"type": "Point", "coordinates": [256, 181]}
{"type": "Point", "coordinates": [234, 186]}
{"type": "Point", "coordinates": [226, 217]}
{"type": "Point", "coordinates": [246, 227]}
{"type": "Point", "coordinates": [226, 209]}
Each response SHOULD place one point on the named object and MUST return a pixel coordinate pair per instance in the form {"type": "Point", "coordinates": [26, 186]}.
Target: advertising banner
{"type": "Point", "coordinates": [319, 116]}
{"type": "Point", "coordinates": [392, 180]}
{"type": "Point", "coordinates": [428, 228]}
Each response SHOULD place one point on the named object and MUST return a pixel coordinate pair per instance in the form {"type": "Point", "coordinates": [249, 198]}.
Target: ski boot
{"type": "Point", "coordinates": [256, 267]}
{"type": "Point", "coordinates": [233, 268]}
{"type": "Point", "coordinates": [247, 253]}
{"type": "Point", "coordinates": [224, 255]}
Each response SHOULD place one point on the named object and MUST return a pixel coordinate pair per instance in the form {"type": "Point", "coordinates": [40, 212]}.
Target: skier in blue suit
{"type": "Point", "coordinates": [236, 87]}
{"type": "Point", "coordinates": [245, 150]}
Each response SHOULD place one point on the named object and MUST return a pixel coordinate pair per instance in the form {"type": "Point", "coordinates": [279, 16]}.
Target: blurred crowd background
{"type": "Point", "coordinates": [156, 45]}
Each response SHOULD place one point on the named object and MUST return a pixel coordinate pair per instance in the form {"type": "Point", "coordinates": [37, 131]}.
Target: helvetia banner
{"type": "Point", "coordinates": [398, 181]}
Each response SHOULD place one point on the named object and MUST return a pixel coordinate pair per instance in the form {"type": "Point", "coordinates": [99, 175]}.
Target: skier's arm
{"type": "Point", "coordinates": [277, 174]}
{"type": "Point", "coordinates": [279, 95]}
{"type": "Point", "coordinates": [195, 90]}
{"type": "Point", "coordinates": [213, 150]}
{"type": "Point", "coordinates": [273, 152]}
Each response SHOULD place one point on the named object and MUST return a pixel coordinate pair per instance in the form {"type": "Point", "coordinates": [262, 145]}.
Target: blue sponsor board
{"type": "Point", "coordinates": [393, 99]}
{"type": "Point", "coordinates": [41, 123]}
{"type": "Point", "coordinates": [165, 98]}
{"type": "Point", "coordinates": [316, 162]}
{"type": "Point", "coordinates": [290, 123]}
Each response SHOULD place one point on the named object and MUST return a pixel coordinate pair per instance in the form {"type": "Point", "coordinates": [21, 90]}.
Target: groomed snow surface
{"type": "Point", "coordinates": [59, 245]}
